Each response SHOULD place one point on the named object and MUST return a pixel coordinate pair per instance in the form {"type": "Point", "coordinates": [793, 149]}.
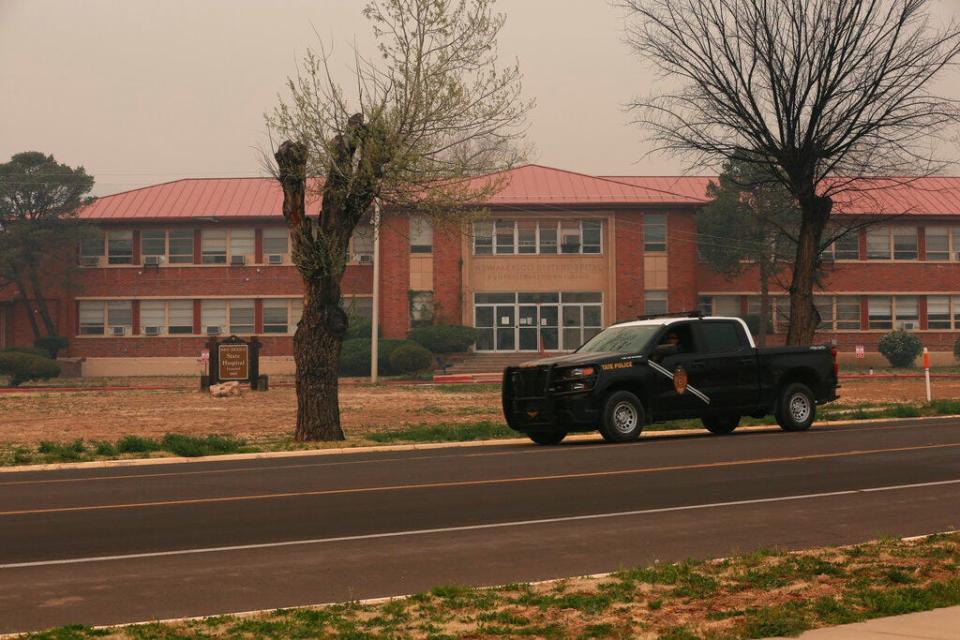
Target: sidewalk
{"type": "Point", "coordinates": [939, 624]}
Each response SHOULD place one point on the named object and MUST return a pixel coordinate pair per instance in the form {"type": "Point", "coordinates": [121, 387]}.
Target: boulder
{"type": "Point", "coordinates": [225, 390]}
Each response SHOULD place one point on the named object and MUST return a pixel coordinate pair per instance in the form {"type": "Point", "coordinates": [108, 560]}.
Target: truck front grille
{"type": "Point", "coordinates": [531, 382]}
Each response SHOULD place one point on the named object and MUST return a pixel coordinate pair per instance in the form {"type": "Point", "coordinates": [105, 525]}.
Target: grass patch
{"type": "Point", "coordinates": [484, 430]}
{"type": "Point", "coordinates": [47, 452]}
{"type": "Point", "coordinates": [756, 595]}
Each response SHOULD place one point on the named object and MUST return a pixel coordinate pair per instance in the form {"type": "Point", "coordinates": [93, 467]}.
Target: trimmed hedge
{"type": "Point", "coordinates": [444, 338]}
{"type": "Point", "coordinates": [22, 367]}
{"type": "Point", "coordinates": [900, 348]}
{"type": "Point", "coordinates": [33, 351]}
{"type": "Point", "coordinates": [355, 356]}
{"type": "Point", "coordinates": [410, 359]}
{"type": "Point", "coordinates": [51, 345]}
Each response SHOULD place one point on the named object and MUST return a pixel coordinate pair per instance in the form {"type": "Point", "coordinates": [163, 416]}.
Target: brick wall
{"type": "Point", "coordinates": [629, 268]}
{"type": "Point", "coordinates": [394, 276]}
{"type": "Point", "coordinates": [681, 261]}
{"type": "Point", "coordinates": [448, 275]}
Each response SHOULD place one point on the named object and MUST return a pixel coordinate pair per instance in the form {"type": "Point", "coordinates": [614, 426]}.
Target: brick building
{"type": "Point", "coordinates": [559, 256]}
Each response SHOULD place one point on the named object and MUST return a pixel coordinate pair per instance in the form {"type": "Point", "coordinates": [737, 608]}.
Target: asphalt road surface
{"type": "Point", "coordinates": [112, 545]}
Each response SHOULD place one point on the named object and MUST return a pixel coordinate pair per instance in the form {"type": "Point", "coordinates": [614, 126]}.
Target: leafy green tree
{"type": "Point", "coordinates": [425, 113]}
{"type": "Point", "coordinates": [750, 222]}
{"type": "Point", "coordinates": [39, 199]}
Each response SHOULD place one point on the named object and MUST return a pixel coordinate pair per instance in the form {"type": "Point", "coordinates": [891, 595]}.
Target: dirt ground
{"type": "Point", "coordinates": [65, 416]}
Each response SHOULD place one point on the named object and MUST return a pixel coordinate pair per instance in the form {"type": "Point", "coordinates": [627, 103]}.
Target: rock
{"type": "Point", "coordinates": [225, 390]}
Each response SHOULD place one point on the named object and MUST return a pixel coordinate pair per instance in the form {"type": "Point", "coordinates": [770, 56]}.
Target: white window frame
{"type": "Point", "coordinates": [289, 305]}
{"type": "Point", "coordinates": [167, 257]}
{"type": "Point", "coordinates": [655, 296]}
{"type": "Point", "coordinates": [110, 258]}
{"type": "Point", "coordinates": [892, 232]}
{"type": "Point", "coordinates": [555, 225]}
{"type": "Point", "coordinates": [953, 312]}
{"type": "Point", "coordinates": [165, 313]}
{"type": "Point", "coordinates": [652, 220]}
{"type": "Point", "coordinates": [277, 232]}
{"type": "Point", "coordinates": [953, 243]}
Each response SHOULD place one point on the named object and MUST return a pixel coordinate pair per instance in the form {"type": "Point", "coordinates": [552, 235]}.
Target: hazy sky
{"type": "Point", "coordinates": [141, 92]}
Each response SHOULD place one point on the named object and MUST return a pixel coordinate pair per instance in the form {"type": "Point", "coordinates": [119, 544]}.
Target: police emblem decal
{"type": "Point", "coordinates": [680, 380]}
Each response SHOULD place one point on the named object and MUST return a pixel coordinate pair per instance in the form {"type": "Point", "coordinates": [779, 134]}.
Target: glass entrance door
{"type": "Point", "coordinates": [531, 321]}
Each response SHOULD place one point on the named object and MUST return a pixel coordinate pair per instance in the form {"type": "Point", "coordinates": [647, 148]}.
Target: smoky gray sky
{"type": "Point", "coordinates": [146, 91]}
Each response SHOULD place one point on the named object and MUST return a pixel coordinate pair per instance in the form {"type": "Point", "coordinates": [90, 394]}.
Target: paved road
{"type": "Point", "coordinates": [101, 546]}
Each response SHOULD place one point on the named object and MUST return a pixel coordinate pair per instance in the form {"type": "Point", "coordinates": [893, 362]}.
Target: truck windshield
{"type": "Point", "coordinates": [631, 339]}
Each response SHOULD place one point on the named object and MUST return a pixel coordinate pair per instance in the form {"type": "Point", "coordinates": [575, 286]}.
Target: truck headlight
{"type": "Point", "coordinates": [578, 372]}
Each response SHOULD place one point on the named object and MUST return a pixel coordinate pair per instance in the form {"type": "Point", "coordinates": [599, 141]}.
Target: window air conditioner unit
{"type": "Point", "coordinates": [152, 261]}
{"type": "Point", "coordinates": [89, 261]}
{"type": "Point", "coordinates": [238, 261]}
{"type": "Point", "coordinates": [908, 325]}
{"type": "Point", "coordinates": [213, 330]}
{"type": "Point", "coordinates": [275, 259]}
{"type": "Point", "coordinates": [151, 331]}
{"type": "Point", "coordinates": [365, 258]}
{"type": "Point", "coordinates": [118, 331]}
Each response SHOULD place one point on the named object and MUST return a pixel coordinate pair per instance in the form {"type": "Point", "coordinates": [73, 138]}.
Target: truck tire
{"type": "Point", "coordinates": [623, 417]}
{"type": "Point", "coordinates": [547, 437]}
{"type": "Point", "coordinates": [796, 407]}
{"type": "Point", "coordinates": [721, 425]}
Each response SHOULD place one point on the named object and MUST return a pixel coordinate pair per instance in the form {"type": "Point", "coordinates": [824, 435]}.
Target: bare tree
{"type": "Point", "coordinates": [825, 92]}
{"type": "Point", "coordinates": [427, 113]}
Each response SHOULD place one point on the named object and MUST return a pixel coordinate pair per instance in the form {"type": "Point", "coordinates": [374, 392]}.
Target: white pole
{"type": "Point", "coordinates": [375, 331]}
{"type": "Point", "coordinates": [926, 373]}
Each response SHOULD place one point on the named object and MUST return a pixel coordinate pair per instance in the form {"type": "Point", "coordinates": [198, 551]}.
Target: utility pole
{"type": "Point", "coordinates": [375, 330]}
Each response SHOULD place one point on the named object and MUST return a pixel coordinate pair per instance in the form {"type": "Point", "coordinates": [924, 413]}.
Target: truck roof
{"type": "Point", "coordinates": [668, 320]}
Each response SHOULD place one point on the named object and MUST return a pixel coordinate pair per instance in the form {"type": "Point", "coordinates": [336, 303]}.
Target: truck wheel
{"type": "Point", "coordinates": [623, 417]}
{"type": "Point", "coordinates": [548, 437]}
{"type": "Point", "coordinates": [796, 407]}
{"type": "Point", "coordinates": [721, 425]}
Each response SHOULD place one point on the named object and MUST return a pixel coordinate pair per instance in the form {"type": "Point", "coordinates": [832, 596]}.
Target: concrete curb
{"type": "Point", "coordinates": [586, 437]}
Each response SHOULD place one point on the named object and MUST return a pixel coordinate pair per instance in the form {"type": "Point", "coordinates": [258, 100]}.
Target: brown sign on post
{"type": "Point", "coordinates": [234, 361]}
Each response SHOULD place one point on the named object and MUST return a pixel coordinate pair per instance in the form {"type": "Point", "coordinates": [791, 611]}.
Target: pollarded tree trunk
{"type": "Point", "coordinates": [319, 336]}
{"type": "Point", "coordinates": [42, 303]}
{"type": "Point", "coordinates": [22, 288]}
{"type": "Point", "coordinates": [803, 315]}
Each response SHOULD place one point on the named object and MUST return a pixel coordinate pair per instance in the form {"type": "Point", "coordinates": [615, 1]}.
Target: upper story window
{"type": "Point", "coordinates": [166, 317]}
{"type": "Point", "coordinates": [943, 243]}
{"type": "Point", "coordinates": [92, 249]}
{"type": "Point", "coordinates": [276, 245]}
{"type": "Point", "coordinates": [421, 235]}
{"type": "Point", "coordinates": [242, 246]}
{"type": "Point", "coordinates": [174, 246]}
{"type": "Point", "coordinates": [846, 247]}
{"type": "Point", "coordinates": [544, 237]}
{"type": "Point", "coordinates": [361, 242]}
{"type": "Point", "coordinates": [120, 247]}
{"type": "Point", "coordinates": [227, 246]}
{"type": "Point", "coordinates": [213, 246]}
{"type": "Point", "coordinates": [654, 232]}
{"type": "Point", "coordinates": [896, 243]}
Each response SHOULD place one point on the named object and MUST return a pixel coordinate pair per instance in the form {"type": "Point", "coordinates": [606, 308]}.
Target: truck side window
{"type": "Point", "coordinates": [723, 337]}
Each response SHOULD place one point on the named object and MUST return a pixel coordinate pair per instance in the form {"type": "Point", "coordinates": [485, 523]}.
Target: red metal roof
{"type": "Point", "coordinates": [528, 185]}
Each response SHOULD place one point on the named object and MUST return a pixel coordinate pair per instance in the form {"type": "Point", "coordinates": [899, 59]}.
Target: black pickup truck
{"type": "Point", "coordinates": [651, 370]}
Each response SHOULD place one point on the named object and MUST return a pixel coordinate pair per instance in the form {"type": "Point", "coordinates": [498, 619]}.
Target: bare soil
{"type": "Point", "coordinates": [30, 417]}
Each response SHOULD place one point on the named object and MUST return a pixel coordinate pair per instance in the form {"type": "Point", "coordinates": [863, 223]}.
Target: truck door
{"type": "Point", "coordinates": [669, 402]}
{"type": "Point", "coordinates": [730, 375]}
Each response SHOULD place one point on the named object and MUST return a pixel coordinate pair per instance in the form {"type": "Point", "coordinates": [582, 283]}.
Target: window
{"type": "Point", "coordinates": [654, 302]}
{"type": "Point", "coordinates": [421, 235]}
{"type": "Point", "coordinates": [899, 242]}
{"type": "Point", "coordinates": [276, 242]}
{"type": "Point", "coordinates": [359, 307]}
{"type": "Point", "coordinates": [722, 337]}
{"type": "Point", "coordinates": [170, 317]}
{"type": "Point", "coordinates": [654, 232]}
{"type": "Point", "coordinates": [528, 237]}
{"type": "Point", "coordinates": [241, 316]}
{"type": "Point", "coordinates": [213, 246]}
{"type": "Point", "coordinates": [943, 243]}
{"type": "Point", "coordinates": [906, 313]}
{"type": "Point", "coordinates": [237, 315]}
{"type": "Point", "coordinates": [91, 249]}
{"type": "Point", "coordinates": [846, 247]}
{"type": "Point", "coordinates": [120, 247]}
{"type": "Point", "coordinates": [705, 305]}
{"type": "Point", "coordinates": [943, 312]}
{"type": "Point", "coordinates": [726, 306]}
{"type": "Point", "coordinates": [91, 318]}
{"type": "Point", "coordinates": [180, 246]}
{"type": "Point", "coordinates": [421, 308]}
{"type": "Point", "coordinates": [504, 236]}
{"type": "Point", "coordinates": [591, 236]}
{"type": "Point", "coordinates": [361, 242]}
{"type": "Point", "coordinates": [880, 312]}
{"type": "Point", "coordinates": [242, 243]}
{"type": "Point", "coordinates": [276, 316]}
{"type": "Point", "coordinates": [570, 236]}
{"type": "Point", "coordinates": [838, 313]}
{"type": "Point", "coordinates": [175, 246]}
{"type": "Point", "coordinates": [482, 238]}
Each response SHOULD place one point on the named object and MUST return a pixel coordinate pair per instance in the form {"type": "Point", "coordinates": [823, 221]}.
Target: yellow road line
{"type": "Point", "coordinates": [469, 483]}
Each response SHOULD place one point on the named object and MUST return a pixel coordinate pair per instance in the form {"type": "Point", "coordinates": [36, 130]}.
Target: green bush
{"type": "Point", "coordinates": [358, 328]}
{"type": "Point", "coordinates": [21, 367]}
{"type": "Point", "coordinates": [34, 351]}
{"type": "Point", "coordinates": [444, 338]}
{"type": "Point", "coordinates": [410, 359]}
{"type": "Point", "coordinates": [900, 348]}
{"type": "Point", "coordinates": [355, 356]}
{"type": "Point", "coordinates": [956, 349]}
{"type": "Point", "coordinates": [51, 345]}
